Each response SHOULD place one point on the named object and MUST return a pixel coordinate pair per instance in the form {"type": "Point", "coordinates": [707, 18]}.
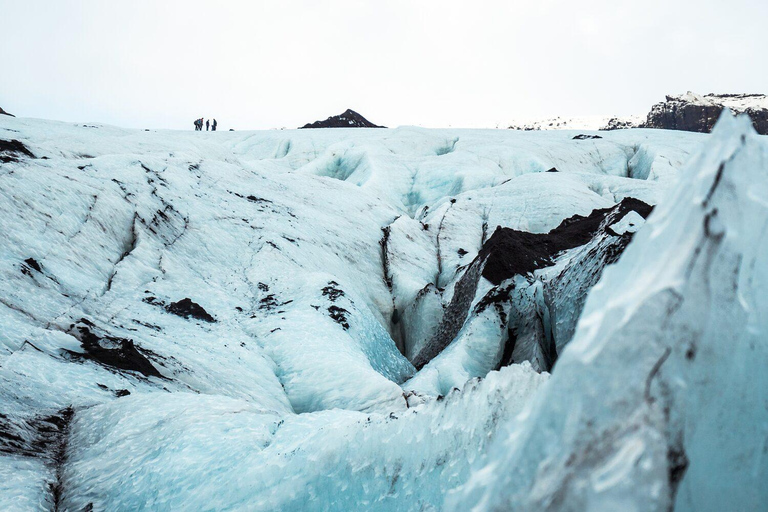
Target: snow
{"type": "Point", "coordinates": [630, 223]}
{"type": "Point", "coordinates": [736, 102]}
{"type": "Point", "coordinates": [588, 123]}
{"type": "Point", "coordinates": [328, 260]}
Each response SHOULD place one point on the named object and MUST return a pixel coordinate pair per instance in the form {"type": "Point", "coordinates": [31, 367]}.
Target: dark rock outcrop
{"type": "Point", "coordinates": [349, 119]}
{"type": "Point", "coordinates": [111, 351]}
{"type": "Point", "coordinates": [4, 113]}
{"type": "Point", "coordinates": [186, 308]}
{"type": "Point", "coordinates": [694, 113]}
{"type": "Point", "coordinates": [510, 252]}
{"type": "Point", "coordinates": [11, 150]}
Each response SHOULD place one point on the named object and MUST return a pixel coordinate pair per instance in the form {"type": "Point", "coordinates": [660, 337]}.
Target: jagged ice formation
{"type": "Point", "coordinates": [368, 319]}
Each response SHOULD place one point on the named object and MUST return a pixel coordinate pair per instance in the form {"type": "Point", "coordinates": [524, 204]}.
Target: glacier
{"type": "Point", "coordinates": [382, 319]}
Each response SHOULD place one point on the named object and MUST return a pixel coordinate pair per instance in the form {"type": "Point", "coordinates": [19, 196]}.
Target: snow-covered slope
{"type": "Point", "coordinates": [578, 123]}
{"type": "Point", "coordinates": [234, 320]}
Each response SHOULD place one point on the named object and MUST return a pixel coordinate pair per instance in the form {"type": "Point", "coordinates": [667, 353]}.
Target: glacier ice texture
{"type": "Point", "coordinates": [368, 319]}
{"type": "Point", "coordinates": [660, 400]}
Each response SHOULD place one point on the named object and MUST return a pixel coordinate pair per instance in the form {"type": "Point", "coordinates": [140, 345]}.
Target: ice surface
{"type": "Point", "coordinates": [324, 262]}
{"type": "Point", "coordinates": [183, 450]}
{"type": "Point", "coordinates": [659, 400]}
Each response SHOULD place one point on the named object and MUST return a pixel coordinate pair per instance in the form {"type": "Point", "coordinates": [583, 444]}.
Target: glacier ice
{"type": "Point", "coordinates": [242, 457]}
{"type": "Point", "coordinates": [659, 401]}
{"type": "Point", "coordinates": [304, 320]}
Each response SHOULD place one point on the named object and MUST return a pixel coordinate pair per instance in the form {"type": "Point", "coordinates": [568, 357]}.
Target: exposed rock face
{"type": "Point", "coordinates": [3, 112]}
{"type": "Point", "coordinates": [349, 119]}
{"type": "Point", "coordinates": [110, 351]}
{"type": "Point", "coordinates": [694, 113]}
{"type": "Point", "coordinates": [186, 308]}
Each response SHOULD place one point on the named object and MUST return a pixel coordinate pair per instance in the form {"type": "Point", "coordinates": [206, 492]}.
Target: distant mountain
{"type": "Point", "coordinates": [3, 112]}
{"type": "Point", "coordinates": [695, 113]}
{"type": "Point", "coordinates": [349, 119]}
{"type": "Point", "coordinates": [578, 123]}
{"type": "Point", "coordinates": [687, 112]}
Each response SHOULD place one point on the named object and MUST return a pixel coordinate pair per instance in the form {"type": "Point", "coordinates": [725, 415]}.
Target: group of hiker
{"type": "Point", "coordinates": [208, 123]}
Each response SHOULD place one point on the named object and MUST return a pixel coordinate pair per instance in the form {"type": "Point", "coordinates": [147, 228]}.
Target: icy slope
{"type": "Point", "coordinates": [171, 301]}
{"type": "Point", "coordinates": [240, 457]}
{"type": "Point", "coordinates": [659, 401]}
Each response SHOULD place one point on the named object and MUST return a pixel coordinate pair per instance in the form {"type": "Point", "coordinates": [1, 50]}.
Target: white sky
{"type": "Point", "coordinates": [268, 64]}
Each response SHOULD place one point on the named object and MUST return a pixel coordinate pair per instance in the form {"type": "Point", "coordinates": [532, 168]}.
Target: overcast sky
{"type": "Point", "coordinates": [269, 64]}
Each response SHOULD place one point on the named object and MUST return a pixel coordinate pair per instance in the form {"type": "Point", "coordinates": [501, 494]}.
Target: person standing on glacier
{"type": "Point", "coordinates": [214, 125]}
{"type": "Point", "coordinates": [207, 123]}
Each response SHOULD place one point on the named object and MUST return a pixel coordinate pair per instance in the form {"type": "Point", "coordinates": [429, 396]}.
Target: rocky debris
{"type": "Point", "coordinates": [29, 265]}
{"type": "Point", "coordinates": [270, 303]}
{"type": "Point", "coordinates": [184, 308]}
{"type": "Point", "coordinates": [509, 252]}
{"type": "Point", "coordinates": [32, 263]}
{"type": "Point", "coordinates": [695, 113]}
{"type": "Point", "coordinates": [11, 149]}
{"type": "Point", "coordinates": [187, 309]}
{"type": "Point", "coordinates": [3, 112]}
{"type": "Point", "coordinates": [110, 351]}
{"type": "Point", "coordinates": [332, 291]}
{"type": "Point", "coordinates": [339, 315]}
{"type": "Point", "coordinates": [349, 119]}
{"type": "Point", "coordinates": [582, 136]}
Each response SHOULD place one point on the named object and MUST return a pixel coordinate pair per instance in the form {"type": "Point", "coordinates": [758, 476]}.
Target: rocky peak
{"type": "Point", "coordinates": [348, 119]}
